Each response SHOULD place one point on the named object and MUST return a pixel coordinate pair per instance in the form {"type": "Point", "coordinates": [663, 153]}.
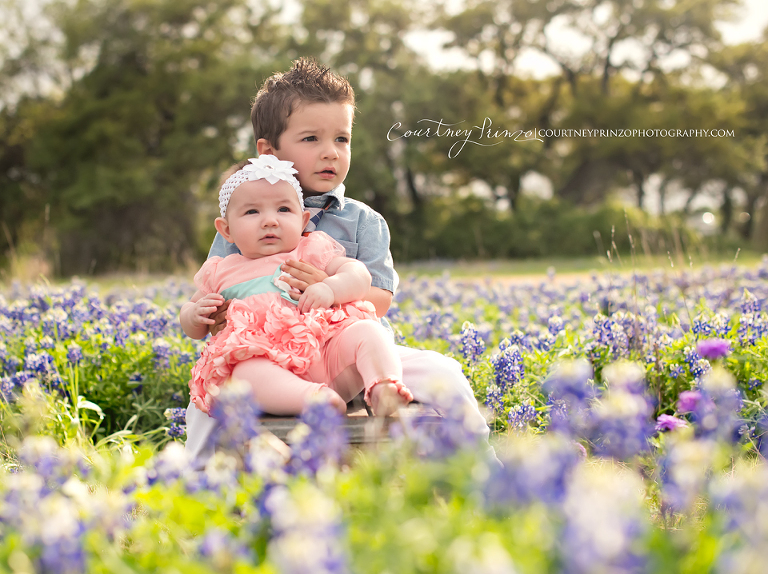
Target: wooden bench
{"type": "Point", "coordinates": [362, 427]}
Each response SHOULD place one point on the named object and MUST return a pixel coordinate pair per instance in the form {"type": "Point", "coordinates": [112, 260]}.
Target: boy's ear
{"type": "Point", "coordinates": [305, 217]}
{"type": "Point", "coordinates": [222, 226]}
{"type": "Point", "coordinates": [263, 146]}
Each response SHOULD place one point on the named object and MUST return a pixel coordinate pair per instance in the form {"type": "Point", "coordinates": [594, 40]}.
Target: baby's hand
{"type": "Point", "coordinates": [301, 275]}
{"type": "Point", "coordinates": [204, 307]}
{"type": "Point", "coordinates": [315, 296]}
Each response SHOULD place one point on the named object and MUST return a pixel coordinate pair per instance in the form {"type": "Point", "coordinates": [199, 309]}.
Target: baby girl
{"type": "Point", "coordinates": [328, 343]}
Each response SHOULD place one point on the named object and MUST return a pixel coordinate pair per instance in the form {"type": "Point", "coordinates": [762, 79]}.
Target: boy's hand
{"type": "Point", "coordinates": [302, 274]}
{"type": "Point", "coordinates": [203, 308]}
{"type": "Point", "coordinates": [315, 296]}
{"type": "Point", "coordinates": [219, 317]}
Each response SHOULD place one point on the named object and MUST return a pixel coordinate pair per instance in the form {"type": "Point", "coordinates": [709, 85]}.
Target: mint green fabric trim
{"type": "Point", "coordinates": [256, 287]}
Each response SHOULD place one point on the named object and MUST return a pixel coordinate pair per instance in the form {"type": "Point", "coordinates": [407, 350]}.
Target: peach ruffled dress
{"type": "Point", "coordinates": [262, 320]}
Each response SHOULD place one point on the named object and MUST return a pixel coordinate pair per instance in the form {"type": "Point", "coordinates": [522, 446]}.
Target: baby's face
{"type": "Point", "coordinates": [263, 218]}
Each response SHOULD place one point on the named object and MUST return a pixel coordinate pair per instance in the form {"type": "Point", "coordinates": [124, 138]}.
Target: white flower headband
{"type": "Point", "coordinates": [264, 167]}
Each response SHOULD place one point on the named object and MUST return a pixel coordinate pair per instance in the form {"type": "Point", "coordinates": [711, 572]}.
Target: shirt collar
{"type": "Point", "coordinates": [337, 193]}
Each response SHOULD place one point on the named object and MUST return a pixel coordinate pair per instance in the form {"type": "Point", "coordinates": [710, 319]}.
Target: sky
{"type": "Point", "coordinates": [749, 22]}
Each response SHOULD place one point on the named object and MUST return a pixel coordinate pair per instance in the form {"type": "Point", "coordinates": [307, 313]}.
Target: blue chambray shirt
{"type": "Point", "coordinates": [362, 231]}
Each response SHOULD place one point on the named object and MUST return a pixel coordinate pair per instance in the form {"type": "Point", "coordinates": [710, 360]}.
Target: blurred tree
{"type": "Point", "coordinates": [746, 67]}
{"type": "Point", "coordinates": [613, 78]}
{"type": "Point", "coordinates": [158, 92]}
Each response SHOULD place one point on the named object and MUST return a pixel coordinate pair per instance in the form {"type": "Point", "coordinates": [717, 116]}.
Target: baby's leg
{"type": "Point", "coordinates": [278, 391]}
{"type": "Point", "coordinates": [363, 356]}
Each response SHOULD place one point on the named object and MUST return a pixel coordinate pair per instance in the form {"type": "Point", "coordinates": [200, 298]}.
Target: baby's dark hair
{"type": "Point", "coordinates": [235, 167]}
{"type": "Point", "coordinates": [281, 93]}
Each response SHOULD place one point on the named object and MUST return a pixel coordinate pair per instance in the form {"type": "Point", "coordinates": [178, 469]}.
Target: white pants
{"type": "Point", "coordinates": [430, 376]}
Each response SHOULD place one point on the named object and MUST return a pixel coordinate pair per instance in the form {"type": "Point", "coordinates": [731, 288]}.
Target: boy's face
{"type": "Point", "coordinates": [317, 141]}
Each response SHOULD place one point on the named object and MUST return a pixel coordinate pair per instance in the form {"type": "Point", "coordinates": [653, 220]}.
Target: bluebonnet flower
{"type": "Point", "coordinates": [605, 523]}
{"type": "Point", "coordinates": [761, 435]}
{"type": "Point", "coordinates": [683, 471]}
{"type": "Point", "coordinates": [701, 326]}
{"type": "Point", "coordinates": [39, 363]}
{"type": "Point", "coordinates": [555, 325]}
{"type": "Point", "coordinates": [696, 364]}
{"type": "Point", "coordinates": [238, 416]}
{"type": "Point", "coordinates": [544, 342]}
{"type": "Point", "coordinates": [494, 399]}
{"type": "Point", "coordinates": [520, 416]}
{"type": "Point", "coordinates": [508, 366]}
{"type": "Point", "coordinates": [47, 343]}
{"type": "Point", "coordinates": [592, 350]}
{"type": "Point", "coordinates": [435, 324]}
{"type": "Point", "coordinates": [532, 472]}
{"type": "Point", "coordinates": [74, 353]}
{"type": "Point", "coordinates": [319, 440]}
{"type": "Point", "coordinates": [168, 466]}
{"type": "Point", "coordinates": [619, 341]}
{"type": "Point", "coordinates": [754, 383]}
{"type": "Point", "coordinates": [569, 383]}
{"type": "Point", "coordinates": [676, 371]}
{"type": "Point", "coordinates": [716, 413]}
{"type": "Point", "coordinates": [442, 438]}
{"type": "Point", "coordinates": [162, 350]}
{"type": "Point", "coordinates": [176, 415]}
{"type": "Point", "coordinates": [307, 530]}
{"type": "Point", "coordinates": [51, 463]}
{"type": "Point", "coordinates": [223, 550]}
{"type": "Point", "coordinates": [619, 425]}
{"type": "Point", "coordinates": [56, 324]}
{"type": "Point", "coordinates": [741, 497]}
{"type": "Point", "coordinates": [749, 303]}
{"type": "Point", "coordinates": [472, 345]}
{"type": "Point", "coordinates": [7, 389]}
{"type": "Point", "coordinates": [176, 430]}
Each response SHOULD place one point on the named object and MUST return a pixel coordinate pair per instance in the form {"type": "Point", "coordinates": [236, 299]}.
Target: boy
{"type": "Point", "coordinates": [305, 116]}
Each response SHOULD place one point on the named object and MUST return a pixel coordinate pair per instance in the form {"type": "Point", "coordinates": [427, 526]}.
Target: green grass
{"type": "Point", "coordinates": [570, 265]}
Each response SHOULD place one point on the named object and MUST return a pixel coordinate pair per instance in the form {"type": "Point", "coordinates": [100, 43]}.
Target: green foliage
{"type": "Point", "coordinates": [468, 228]}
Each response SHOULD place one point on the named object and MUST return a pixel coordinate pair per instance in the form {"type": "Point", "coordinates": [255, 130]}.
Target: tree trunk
{"type": "Point", "coordinates": [759, 219]}
{"type": "Point", "coordinates": [639, 178]}
{"type": "Point", "coordinates": [726, 211]}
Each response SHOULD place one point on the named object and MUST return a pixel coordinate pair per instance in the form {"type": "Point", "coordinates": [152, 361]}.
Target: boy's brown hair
{"type": "Point", "coordinates": [281, 93]}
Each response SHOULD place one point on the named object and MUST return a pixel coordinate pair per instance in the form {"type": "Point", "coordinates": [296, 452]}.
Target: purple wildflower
{"type": "Point", "coordinates": [176, 415]}
{"type": "Point", "coordinates": [321, 439]}
{"type": "Point", "coordinates": [669, 423]}
{"type": "Point", "coordinates": [714, 348]}
{"type": "Point", "coordinates": [688, 400]}
{"type": "Point", "coordinates": [472, 345]}
{"type": "Point", "coordinates": [74, 353]}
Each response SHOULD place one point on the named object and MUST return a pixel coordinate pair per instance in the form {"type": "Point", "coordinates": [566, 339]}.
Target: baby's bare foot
{"type": "Point", "coordinates": [386, 399]}
{"type": "Point", "coordinates": [332, 397]}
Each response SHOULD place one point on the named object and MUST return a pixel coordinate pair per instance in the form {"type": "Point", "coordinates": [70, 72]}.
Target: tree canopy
{"type": "Point", "coordinates": [118, 115]}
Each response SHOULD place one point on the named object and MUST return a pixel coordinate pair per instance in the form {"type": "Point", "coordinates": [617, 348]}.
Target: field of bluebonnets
{"type": "Point", "coordinates": [628, 411]}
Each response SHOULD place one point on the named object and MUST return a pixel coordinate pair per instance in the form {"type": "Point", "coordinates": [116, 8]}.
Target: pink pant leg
{"type": "Point", "coordinates": [357, 358]}
{"type": "Point", "coordinates": [277, 390]}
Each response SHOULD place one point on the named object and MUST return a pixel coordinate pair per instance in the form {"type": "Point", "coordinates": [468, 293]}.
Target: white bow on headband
{"type": "Point", "coordinates": [264, 167]}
